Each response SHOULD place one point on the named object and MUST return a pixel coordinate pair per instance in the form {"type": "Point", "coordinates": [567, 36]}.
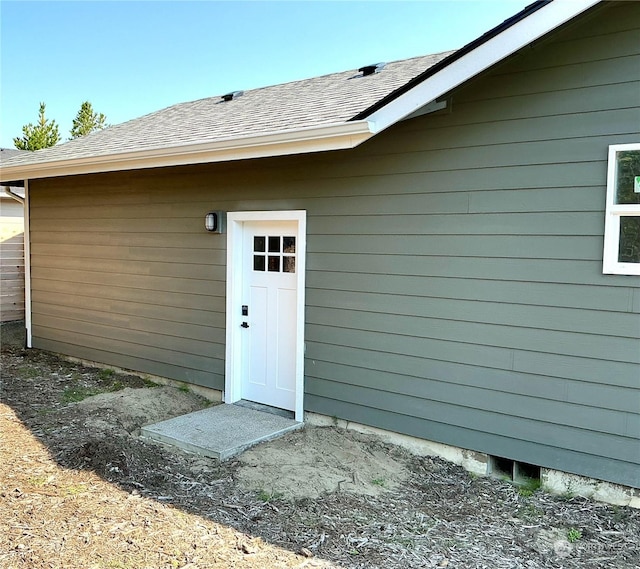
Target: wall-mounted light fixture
{"type": "Point", "coordinates": [214, 221]}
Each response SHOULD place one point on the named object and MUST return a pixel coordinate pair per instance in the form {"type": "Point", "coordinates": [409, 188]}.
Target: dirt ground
{"type": "Point", "coordinates": [79, 488]}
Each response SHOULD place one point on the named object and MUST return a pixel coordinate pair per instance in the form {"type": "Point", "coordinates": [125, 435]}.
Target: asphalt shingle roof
{"type": "Point", "coordinates": [6, 153]}
{"type": "Point", "coordinates": [326, 100]}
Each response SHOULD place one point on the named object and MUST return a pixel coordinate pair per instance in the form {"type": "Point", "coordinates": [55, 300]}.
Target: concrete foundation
{"type": "Point", "coordinates": [478, 463]}
{"type": "Point", "coordinates": [571, 484]}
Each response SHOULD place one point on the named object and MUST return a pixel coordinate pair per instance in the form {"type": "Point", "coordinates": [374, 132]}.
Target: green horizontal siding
{"type": "Point", "coordinates": [130, 240]}
{"type": "Point", "coordinates": [146, 294]}
{"type": "Point", "coordinates": [142, 282]}
{"type": "Point", "coordinates": [115, 328]}
{"type": "Point", "coordinates": [567, 247]}
{"type": "Point", "coordinates": [139, 296]}
{"type": "Point", "coordinates": [577, 75]}
{"type": "Point", "coordinates": [86, 253]}
{"type": "Point", "coordinates": [203, 311]}
{"type": "Point", "coordinates": [583, 49]}
{"type": "Point", "coordinates": [491, 328]}
{"type": "Point", "coordinates": [96, 265]}
{"type": "Point", "coordinates": [560, 128]}
{"type": "Point", "coordinates": [118, 316]}
{"type": "Point", "coordinates": [530, 270]}
{"type": "Point", "coordinates": [492, 421]}
{"type": "Point", "coordinates": [380, 369]}
{"type": "Point", "coordinates": [607, 298]}
{"type": "Point", "coordinates": [508, 110]}
{"type": "Point", "coordinates": [410, 223]}
{"type": "Point", "coordinates": [92, 349]}
{"type": "Point", "coordinates": [620, 324]}
{"type": "Point", "coordinates": [120, 225]}
{"type": "Point", "coordinates": [470, 159]}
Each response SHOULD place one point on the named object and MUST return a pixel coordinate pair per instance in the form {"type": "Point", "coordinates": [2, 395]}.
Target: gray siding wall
{"type": "Point", "coordinates": [454, 287]}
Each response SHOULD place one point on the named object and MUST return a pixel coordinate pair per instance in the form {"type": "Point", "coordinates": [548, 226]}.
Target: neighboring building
{"type": "Point", "coordinates": [11, 248]}
{"type": "Point", "coordinates": [419, 249]}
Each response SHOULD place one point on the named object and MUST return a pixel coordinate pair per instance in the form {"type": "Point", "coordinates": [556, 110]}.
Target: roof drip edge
{"type": "Point", "coordinates": [312, 139]}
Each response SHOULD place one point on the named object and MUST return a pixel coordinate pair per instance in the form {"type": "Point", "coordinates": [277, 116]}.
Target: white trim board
{"type": "Point", "coordinates": [507, 42]}
{"type": "Point", "coordinates": [311, 139]}
{"type": "Point", "coordinates": [235, 220]}
{"type": "Point", "coordinates": [27, 264]}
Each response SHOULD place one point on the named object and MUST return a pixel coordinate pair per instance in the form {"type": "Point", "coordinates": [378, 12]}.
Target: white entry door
{"type": "Point", "coordinates": [269, 313]}
{"type": "Point", "coordinates": [264, 311]}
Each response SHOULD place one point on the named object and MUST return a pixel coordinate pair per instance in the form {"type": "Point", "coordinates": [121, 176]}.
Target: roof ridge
{"type": "Point", "coordinates": [303, 80]}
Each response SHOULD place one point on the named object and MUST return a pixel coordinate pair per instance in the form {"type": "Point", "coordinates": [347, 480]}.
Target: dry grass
{"type": "Point", "coordinates": [57, 517]}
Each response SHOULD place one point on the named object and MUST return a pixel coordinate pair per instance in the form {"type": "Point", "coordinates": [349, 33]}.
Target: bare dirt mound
{"type": "Point", "coordinates": [315, 461]}
{"type": "Point", "coordinates": [130, 409]}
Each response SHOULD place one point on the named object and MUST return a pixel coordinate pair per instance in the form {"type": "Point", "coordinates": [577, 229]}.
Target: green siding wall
{"type": "Point", "coordinates": [454, 286]}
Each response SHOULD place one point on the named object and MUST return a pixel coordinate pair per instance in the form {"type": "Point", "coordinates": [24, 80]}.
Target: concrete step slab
{"type": "Point", "coordinates": [220, 432]}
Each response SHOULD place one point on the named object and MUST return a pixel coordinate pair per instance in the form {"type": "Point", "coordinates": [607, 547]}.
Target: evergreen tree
{"type": "Point", "coordinates": [87, 121]}
{"type": "Point", "coordinates": [41, 135]}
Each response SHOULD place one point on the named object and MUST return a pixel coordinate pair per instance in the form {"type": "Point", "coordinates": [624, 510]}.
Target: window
{"type": "Point", "coordinates": [274, 253]}
{"type": "Point", "coordinates": [622, 222]}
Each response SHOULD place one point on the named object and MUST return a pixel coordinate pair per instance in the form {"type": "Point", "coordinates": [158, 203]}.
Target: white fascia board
{"type": "Point", "coordinates": [311, 139]}
{"type": "Point", "coordinates": [13, 193]}
{"type": "Point", "coordinates": [515, 37]}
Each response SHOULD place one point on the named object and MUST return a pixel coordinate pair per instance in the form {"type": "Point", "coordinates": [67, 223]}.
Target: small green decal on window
{"type": "Point", "coordinates": [636, 185]}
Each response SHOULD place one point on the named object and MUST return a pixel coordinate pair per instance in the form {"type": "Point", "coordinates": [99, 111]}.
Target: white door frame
{"type": "Point", "coordinates": [233, 352]}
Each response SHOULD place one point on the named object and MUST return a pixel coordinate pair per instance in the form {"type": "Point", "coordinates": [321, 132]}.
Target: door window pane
{"type": "Point", "coordinates": [274, 263]}
{"type": "Point", "coordinates": [274, 244]}
{"type": "Point", "coordinates": [259, 244]}
{"type": "Point", "coordinates": [288, 264]}
{"type": "Point", "coordinates": [288, 244]}
{"type": "Point", "coordinates": [258, 262]}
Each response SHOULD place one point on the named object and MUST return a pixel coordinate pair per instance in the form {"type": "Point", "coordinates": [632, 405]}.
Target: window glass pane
{"type": "Point", "coordinates": [258, 262]}
{"type": "Point", "coordinates": [288, 264]}
{"type": "Point", "coordinates": [274, 264]}
{"type": "Point", "coordinates": [258, 244]}
{"type": "Point", "coordinates": [288, 244]}
{"type": "Point", "coordinates": [274, 244]}
{"type": "Point", "coordinates": [629, 251]}
{"type": "Point", "coordinates": [628, 169]}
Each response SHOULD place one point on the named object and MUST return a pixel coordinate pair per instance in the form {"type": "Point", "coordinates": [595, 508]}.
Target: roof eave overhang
{"type": "Point", "coordinates": [312, 139]}
{"type": "Point", "coordinates": [463, 68]}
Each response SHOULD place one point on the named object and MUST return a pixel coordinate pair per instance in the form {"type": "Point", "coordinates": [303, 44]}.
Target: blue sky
{"type": "Point", "coordinates": [131, 58]}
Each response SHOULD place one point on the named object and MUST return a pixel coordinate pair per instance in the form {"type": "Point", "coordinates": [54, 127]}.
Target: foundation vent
{"type": "Point", "coordinates": [517, 472]}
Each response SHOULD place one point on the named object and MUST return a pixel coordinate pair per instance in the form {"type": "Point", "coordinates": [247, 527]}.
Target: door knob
{"type": "Point", "coordinates": [244, 325]}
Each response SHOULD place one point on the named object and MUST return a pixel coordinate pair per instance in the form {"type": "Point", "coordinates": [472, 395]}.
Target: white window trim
{"type": "Point", "coordinates": [610, 263]}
